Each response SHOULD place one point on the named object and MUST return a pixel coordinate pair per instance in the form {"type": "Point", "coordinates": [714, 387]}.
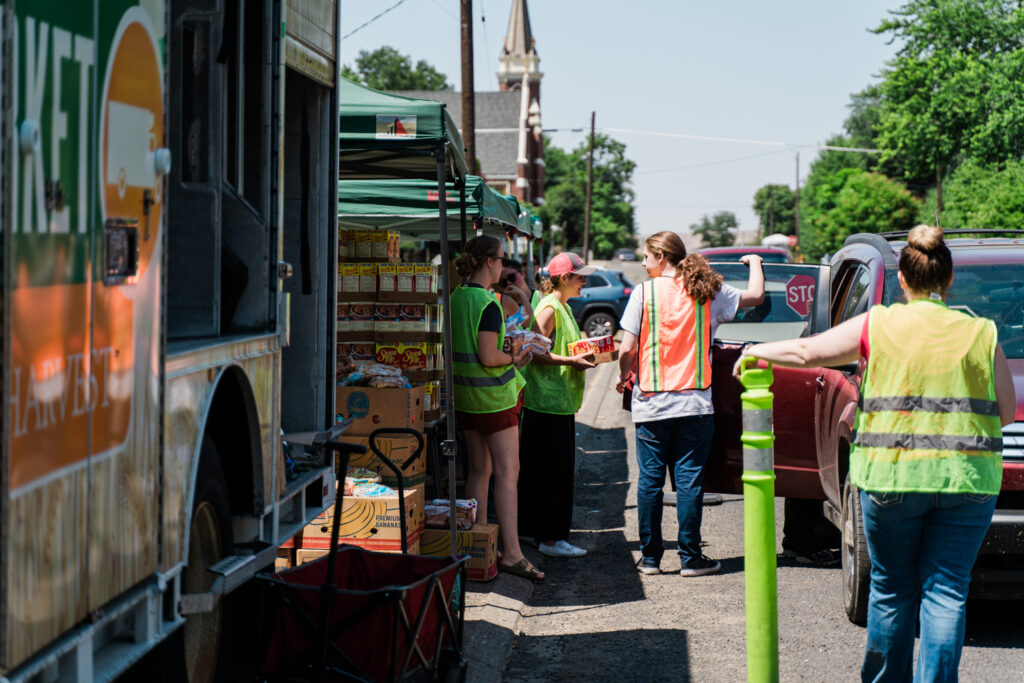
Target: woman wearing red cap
{"type": "Point", "coordinates": [554, 393]}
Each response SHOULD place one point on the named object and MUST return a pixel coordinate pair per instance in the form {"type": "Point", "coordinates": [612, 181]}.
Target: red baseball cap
{"type": "Point", "coordinates": [568, 262]}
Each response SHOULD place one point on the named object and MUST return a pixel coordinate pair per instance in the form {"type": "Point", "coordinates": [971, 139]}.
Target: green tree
{"type": "Point", "coordinates": [953, 91]}
{"type": "Point", "coordinates": [862, 202]}
{"type": "Point", "coordinates": [775, 209]}
{"type": "Point", "coordinates": [715, 230]}
{"type": "Point", "coordinates": [612, 224]}
{"type": "Point", "coordinates": [977, 196]}
{"type": "Point", "coordinates": [387, 69]}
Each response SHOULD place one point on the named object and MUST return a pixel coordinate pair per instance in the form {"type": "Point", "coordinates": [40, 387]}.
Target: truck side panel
{"type": "Point", "coordinates": [50, 373]}
{"type": "Point", "coordinates": [84, 370]}
{"type": "Point", "coordinates": [190, 387]}
{"type": "Point", "coordinates": [126, 332]}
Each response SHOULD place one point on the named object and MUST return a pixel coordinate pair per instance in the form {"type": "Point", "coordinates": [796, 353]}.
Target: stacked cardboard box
{"type": "Point", "coordinates": [388, 312]}
{"type": "Point", "coordinates": [480, 543]}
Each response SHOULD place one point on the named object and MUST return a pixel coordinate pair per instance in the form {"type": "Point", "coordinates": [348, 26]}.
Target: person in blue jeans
{"type": "Point", "coordinates": [926, 457]}
{"type": "Point", "coordinates": [668, 326]}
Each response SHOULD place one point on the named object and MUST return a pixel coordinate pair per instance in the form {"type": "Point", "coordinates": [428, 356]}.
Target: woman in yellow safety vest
{"type": "Point", "coordinates": [488, 394]}
{"type": "Point", "coordinates": [667, 329]}
{"type": "Point", "coordinates": [926, 455]}
{"type": "Point", "coordinates": [554, 393]}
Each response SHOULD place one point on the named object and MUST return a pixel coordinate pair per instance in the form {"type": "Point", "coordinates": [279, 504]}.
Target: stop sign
{"type": "Point", "coordinates": [800, 293]}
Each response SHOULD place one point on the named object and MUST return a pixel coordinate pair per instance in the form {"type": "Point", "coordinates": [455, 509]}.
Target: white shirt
{"type": "Point", "coordinates": [663, 405]}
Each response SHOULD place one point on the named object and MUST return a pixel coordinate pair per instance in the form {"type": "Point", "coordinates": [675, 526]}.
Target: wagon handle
{"type": "Point", "coordinates": [397, 431]}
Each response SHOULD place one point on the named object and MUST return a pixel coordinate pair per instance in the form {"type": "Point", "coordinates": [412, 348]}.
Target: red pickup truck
{"type": "Point", "coordinates": [814, 408]}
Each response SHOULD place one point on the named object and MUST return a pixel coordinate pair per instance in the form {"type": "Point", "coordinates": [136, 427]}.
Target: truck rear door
{"type": "Point", "coordinates": [791, 309]}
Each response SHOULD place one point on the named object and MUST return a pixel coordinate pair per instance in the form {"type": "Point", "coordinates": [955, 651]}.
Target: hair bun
{"type": "Point", "coordinates": [925, 238]}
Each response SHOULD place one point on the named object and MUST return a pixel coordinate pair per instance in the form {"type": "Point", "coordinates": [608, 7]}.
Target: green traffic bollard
{"type": "Point", "coordinates": [759, 523]}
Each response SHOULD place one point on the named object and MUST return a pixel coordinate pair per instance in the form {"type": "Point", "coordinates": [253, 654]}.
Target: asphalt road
{"type": "Point", "coordinates": [596, 618]}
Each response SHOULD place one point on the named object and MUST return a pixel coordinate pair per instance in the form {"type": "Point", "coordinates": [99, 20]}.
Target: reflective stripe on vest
{"type": "Point", "coordinates": [478, 389]}
{"type": "Point", "coordinates": [675, 338]}
{"type": "Point", "coordinates": [928, 418]}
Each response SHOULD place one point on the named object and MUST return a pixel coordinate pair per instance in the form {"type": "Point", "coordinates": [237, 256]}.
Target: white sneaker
{"type": "Point", "coordinates": [561, 549]}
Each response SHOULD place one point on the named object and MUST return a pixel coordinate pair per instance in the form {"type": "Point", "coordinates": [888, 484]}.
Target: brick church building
{"type": "Point", "coordinates": [509, 143]}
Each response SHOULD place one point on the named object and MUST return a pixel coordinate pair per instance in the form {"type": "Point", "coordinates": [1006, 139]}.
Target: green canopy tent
{"type": "Point", "coordinates": [410, 205]}
{"type": "Point", "coordinates": [390, 136]}
{"type": "Point", "coordinates": [383, 136]}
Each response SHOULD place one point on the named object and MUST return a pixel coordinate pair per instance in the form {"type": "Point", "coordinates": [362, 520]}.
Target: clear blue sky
{"type": "Point", "coordinates": [779, 72]}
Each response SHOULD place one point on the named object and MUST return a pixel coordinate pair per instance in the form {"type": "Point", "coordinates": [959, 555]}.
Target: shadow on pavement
{"type": "Point", "coordinates": [635, 655]}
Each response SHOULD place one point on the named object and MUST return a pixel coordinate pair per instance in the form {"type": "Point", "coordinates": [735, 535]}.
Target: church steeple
{"type": "Point", "coordinates": [518, 53]}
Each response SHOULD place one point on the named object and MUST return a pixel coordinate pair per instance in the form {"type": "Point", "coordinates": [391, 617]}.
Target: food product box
{"type": "Point", "coordinates": [394, 244]}
{"type": "Point", "coordinates": [344, 310]}
{"type": "Point", "coordinates": [348, 277]}
{"type": "Point", "coordinates": [361, 316]}
{"type": "Point", "coordinates": [373, 523]}
{"type": "Point", "coordinates": [364, 243]}
{"type": "Point", "coordinates": [362, 351]}
{"type": "Point", "coordinates": [406, 277]}
{"type": "Point", "coordinates": [603, 348]}
{"type": "Point", "coordinates": [375, 408]}
{"type": "Point", "coordinates": [399, 450]}
{"type": "Point", "coordinates": [304, 555]}
{"type": "Point", "coordinates": [387, 354]}
{"type": "Point", "coordinates": [480, 543]}
{"type": "Point", "coordinates": [412, 317]}
{"type": "Point", "coordinates": [284, 560]}
{"type": "Point", "coordinates": [424, 278]}
{"type": "Point", "coordinates": [387, 275]}
{"type": "Point", "coordinates": [413, 355]}
{"type": "Point", "coordinates": [380, 244]}
{"type": "Point", "coordinates": [368, 278]}
{"type": "Point", "coordinates": [429, 397]}
{"type": "Point", "coordinates": [386, 317]}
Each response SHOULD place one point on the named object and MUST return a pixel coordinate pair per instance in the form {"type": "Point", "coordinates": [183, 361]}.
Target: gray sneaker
{"type": "Point", "coordinates": [700, 566]}
{"type": "Point", "coordinates": [648, 566]}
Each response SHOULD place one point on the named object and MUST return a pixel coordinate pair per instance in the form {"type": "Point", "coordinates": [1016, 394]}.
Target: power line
{"type": "Point", "coordinates": [444, 9]}
{"type": "Point", "coordinates": [714, 163]}
{"type": "Point", "coordinates": [364, 25]}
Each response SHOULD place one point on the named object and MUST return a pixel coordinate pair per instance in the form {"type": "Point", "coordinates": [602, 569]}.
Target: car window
{"type": "Point", "coordinates": [596, 281]}
{"type": "Point", "coordinates": [994, 291]}
{"type": "Point", "coordinates": [788, 304]}
{"type": "Point", "coordinates": [857, 300]}
{"type": "Point", "coordinates": [842, 282]}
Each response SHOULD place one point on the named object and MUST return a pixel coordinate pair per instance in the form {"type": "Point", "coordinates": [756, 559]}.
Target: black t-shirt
{"type": "Point", "coordinates": [490, 321]}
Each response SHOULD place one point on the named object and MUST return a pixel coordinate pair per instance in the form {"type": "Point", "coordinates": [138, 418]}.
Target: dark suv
{"type": "Point", "coordinates": [600, 305]}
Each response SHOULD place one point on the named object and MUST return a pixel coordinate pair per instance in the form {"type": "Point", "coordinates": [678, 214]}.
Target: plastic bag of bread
{"type": "Point", "coordinates": [517, 341]}
{"type": "Point", "coordinates": [438, 510]}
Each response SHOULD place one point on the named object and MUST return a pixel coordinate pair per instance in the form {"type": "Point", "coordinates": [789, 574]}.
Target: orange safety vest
{"type": "Point", "coordinates": [675, 338]}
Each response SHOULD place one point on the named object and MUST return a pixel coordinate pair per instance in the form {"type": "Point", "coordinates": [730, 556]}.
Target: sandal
{"type": "Point", "coordinates": [524, 569]}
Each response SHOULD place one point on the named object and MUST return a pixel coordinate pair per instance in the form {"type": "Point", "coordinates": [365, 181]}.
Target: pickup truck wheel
{"type": "Point", "coordinates": [855, 559]}
{"type": "Point", "coordinates": [210, 540]}
{"type": "Point", "coordinates": [599, 324]}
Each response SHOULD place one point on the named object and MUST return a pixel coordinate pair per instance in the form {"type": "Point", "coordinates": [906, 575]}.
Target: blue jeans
{"type": "Point", "coordinates": [922, 547]}
{"type": "Point", "coordinates": [682, 443]}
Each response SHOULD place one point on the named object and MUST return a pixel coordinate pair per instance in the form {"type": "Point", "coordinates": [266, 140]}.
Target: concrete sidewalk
{"type": "Point", "coordinates": [494, 610]}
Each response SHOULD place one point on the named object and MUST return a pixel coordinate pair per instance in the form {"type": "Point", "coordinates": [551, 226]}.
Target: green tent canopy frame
{"type": "Point", "coordinates": [411, 206]}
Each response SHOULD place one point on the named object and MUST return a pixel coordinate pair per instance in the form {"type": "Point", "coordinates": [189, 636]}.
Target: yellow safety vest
{"type": "Point", "coordinates": [928, 418]}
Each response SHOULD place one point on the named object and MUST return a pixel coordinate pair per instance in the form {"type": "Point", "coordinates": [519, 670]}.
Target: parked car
{"type": "Point", "coordinates": [601, 303]}
{"type": "Point", "coordinates": [626, 255]}
{"type": "Point", "coordinates": [767, 254]}
{"type": "Point", "coordinates": [817, 405]}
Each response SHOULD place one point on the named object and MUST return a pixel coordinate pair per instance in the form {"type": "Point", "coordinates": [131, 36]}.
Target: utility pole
{"type": "Point", "coordinates": [468, 88]}
{"type": "Point", "coordinates": [590, 187]}
{"type": "Point", "coordinates": [796, 201]}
